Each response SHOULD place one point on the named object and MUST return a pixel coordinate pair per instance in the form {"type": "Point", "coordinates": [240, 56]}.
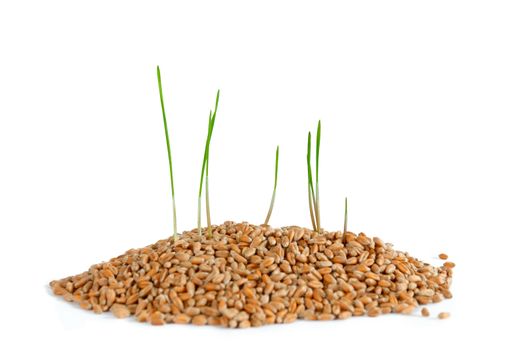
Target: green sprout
{"type": "Point", "coordinates": [275, 184]}
{"type": "Point", "coordinates": [175, 233]}
{"type": "Point", "coordinates": [314, 195]}
{"type": "Point", "coordinates": [205, 169]}
{"type": "Point", "coordinates": [309, 184]}
{"type": "Point", "coordinates": [345, 221]}
{"type": "Point", "coordinates": [317, 201]}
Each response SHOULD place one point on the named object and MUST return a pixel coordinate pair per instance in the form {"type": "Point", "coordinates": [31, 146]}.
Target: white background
{"type": "Point", "coordinates": [421, 107]}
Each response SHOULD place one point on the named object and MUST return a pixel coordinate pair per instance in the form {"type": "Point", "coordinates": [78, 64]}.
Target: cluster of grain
{"type": "Point", "coordinates": [247, 276]}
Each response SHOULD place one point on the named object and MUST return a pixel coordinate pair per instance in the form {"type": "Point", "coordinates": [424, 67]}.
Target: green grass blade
{"type": "Point", "coordinates": [207, 201]}
{"type": "Point", "coordinates": [275, 185]}
{"type": "Point", "coordinates": [310, 187]}
{"type": "Point", "coordinates": [309, 169]}
{"type": "Point", "coordinates": [165, 127]}
{"type": "Point", "coordinates": [207, 204]}
{"type": "Point", "coordinates": [317, 198]}
{"type": "Point", "coordinates": [318, 139]}
{"type": "Point", "coordinates": [205, 153]}
{"type": "Point", "coordinates": [205, 169]}
{"type": "Point", "coordinates": [204, 166]}
{"type": "Point", "coordinates": [345, 221]}
{"type": "Point", "coordinates": [168, 149]}
{"type": "Point", "coordinates": [210, 128]}
{"type": "Point", "coordinates": [215, 107]}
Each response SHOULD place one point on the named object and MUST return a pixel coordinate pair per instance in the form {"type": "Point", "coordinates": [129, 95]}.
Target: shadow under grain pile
{"type": "Point", "coordinates": [248, 275]}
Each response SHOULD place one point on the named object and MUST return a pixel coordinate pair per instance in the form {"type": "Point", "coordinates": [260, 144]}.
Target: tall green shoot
{"type": "Point", "coordinates": [275, 184]}
{"type": "Point", "coordinates": [205, 170]}
{"type": "Point", "coordinates": [201, 176]}
{"type": "Point", "coordinates": [314, 194]}
{"type": "Point", "coordinates": [175, 233]}
{"type": "Point", "coordinates": [310, 186]}
{"type": "Point", "coordinates": [317, 199]}
{"type": "Point", "coordinates": [207, 205]}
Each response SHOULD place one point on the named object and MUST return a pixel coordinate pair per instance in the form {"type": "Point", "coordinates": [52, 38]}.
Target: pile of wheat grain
{"type": "Point", "coordinates": [247, 276]}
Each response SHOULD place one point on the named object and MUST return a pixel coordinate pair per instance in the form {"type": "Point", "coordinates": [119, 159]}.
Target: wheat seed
{"type": "Point", "coordinates": [120, 311]}
{"type": "Point", "coordinates": [443, 315]}
{"type": "Point", "coordinates": [425, 312]}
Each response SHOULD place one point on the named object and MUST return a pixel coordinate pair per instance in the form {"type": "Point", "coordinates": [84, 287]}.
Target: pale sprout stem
{"type": "Point", "coordinates": [207, 204]}
{"type": "Point", "coordinates": [311, 209]}
{"type": "Point", "coordinates": [317, 208]}
{"type": "Point", "coordinates": [345, 221]}
{"type": "Point", "coordinates": [270, 208]}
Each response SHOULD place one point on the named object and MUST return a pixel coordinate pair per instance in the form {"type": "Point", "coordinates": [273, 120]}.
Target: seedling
{"type": "Point", "coordinates": [205, 169]}
{"type": "Point", "coordinates": [275, 184]}
{"type": "Point", "coordinates": [175, 233]}
{"type": "Point", "coordinates": [345, 221]}
{"type": "Point", "coordinates": [317, 201]}
{"type": "Point", "coordinates": [310, 187]}
{"type": "Point", "coordinates": [314, 194]}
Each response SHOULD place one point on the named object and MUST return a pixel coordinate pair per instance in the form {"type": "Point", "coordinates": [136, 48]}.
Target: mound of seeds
{"type": "Point", "coordinates": [247, 276]}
